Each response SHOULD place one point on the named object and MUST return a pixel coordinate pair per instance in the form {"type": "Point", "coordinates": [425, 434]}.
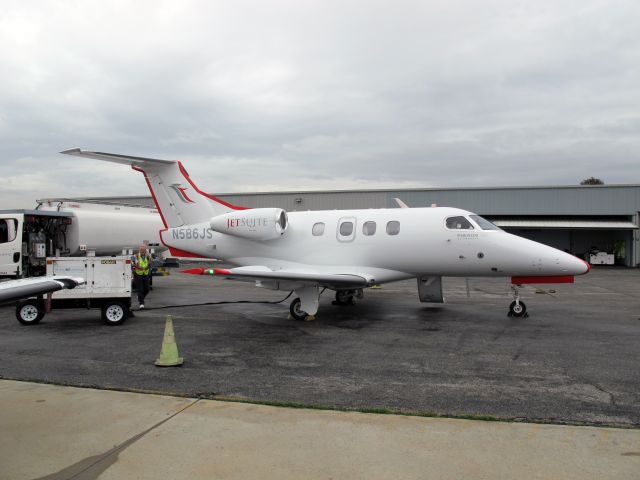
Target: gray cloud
{"type": "Point", "coordinates": [313, 95]}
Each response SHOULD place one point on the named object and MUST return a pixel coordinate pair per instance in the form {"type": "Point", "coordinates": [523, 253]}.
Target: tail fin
{"type": "Point", "coordinates": [178, 199]}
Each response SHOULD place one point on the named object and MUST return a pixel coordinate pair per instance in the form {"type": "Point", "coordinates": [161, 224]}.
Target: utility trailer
{"type": "Point", "coordinates": [107, 287]}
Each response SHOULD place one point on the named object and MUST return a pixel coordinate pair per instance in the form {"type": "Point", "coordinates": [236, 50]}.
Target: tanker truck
{"type": "Point", "coordinates": [71, 228]}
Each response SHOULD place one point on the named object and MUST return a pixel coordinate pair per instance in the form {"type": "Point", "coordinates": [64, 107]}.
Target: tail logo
{"type": "Point", "coordinates": [182, 193]}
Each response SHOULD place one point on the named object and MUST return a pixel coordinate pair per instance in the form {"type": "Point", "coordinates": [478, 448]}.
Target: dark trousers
{"type": "Point", "coordinates": [142, 286]}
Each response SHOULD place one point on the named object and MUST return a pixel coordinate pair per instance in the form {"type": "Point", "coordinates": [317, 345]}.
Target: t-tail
{"type": "Point", "coordinates": [178, 199]}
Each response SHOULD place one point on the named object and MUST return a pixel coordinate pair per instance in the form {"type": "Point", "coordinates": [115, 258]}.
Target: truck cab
{"type": "Point", "coordinates": [28, 237]}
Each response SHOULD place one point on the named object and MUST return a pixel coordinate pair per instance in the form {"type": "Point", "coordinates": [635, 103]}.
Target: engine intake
{"type": "Point", "coordinates": [255, 224]}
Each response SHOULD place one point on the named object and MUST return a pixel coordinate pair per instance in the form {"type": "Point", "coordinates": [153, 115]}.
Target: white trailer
{"type": "Point", "coordinates": [28, 237]}
{"type": "Point", "coordinates": [107, 287]}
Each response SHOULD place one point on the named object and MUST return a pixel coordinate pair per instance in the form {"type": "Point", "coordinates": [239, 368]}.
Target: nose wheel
{"type": "Point", "coordinates": [517, 308]}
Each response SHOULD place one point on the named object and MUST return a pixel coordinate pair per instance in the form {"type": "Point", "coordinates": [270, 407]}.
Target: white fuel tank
{"type": "Point", "coordinates": [107, 229]}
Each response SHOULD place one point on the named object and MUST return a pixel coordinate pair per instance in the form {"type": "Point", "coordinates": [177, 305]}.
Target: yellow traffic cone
{"type": "Point", "coordinates": [169, 353]}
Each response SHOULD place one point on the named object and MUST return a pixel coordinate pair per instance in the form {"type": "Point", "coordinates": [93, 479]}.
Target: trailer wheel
{"type": "Point", "coordinates": [114, 313]}
{"type": "Point", "coordinates": [28, 313]}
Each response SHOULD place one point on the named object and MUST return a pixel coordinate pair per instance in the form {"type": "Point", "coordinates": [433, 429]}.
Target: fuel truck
{"type": "Point", "coordinates": [72, 228]}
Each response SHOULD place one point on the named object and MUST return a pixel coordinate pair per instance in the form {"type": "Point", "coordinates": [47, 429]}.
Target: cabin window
{"type": "Point", "coordinates": [393, 227]}
{"type": "Point", "coordinates": [346, 229]}
{"type": "Point", "coordinates": [459, 223]}
{"type": "Point", "coordinates": [318, 229]}
{"type": "Point", "coordinates": [369, 228]}
{"type": "Point", "coordinates": [8, 230]}
{"type": "Point", "coordinates": [483, 223]}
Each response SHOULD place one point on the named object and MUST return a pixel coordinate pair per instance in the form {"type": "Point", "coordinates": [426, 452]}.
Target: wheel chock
{"type": "Point", "coordinates": [169, 353]}
{"type": "Point", "coordinates": [309, 318]}
{"type": "Point", "coordinates": [376, 286]}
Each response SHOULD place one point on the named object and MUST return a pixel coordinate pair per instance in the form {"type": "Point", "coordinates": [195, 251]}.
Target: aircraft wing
{"type": "Point", "coordinates": [261, 273]}
{"type": "Point", "coordinates": [31, 287]}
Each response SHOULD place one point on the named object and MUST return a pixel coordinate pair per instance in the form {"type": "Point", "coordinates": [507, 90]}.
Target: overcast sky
{"type": "Point", "coordinates": [286, 95]}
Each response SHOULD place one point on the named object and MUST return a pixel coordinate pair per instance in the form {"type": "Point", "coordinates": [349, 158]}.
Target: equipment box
{"type": "Point", "coordinates": [108, 287]}
{"type": "Point", "coordinates": [602, 258]}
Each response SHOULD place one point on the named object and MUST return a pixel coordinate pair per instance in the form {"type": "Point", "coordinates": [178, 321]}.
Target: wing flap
{"type": "Point", "coordinates": [260, 273]}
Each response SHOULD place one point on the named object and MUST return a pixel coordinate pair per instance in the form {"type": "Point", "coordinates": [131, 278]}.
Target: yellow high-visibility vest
{"type": "Point", "coordinates": [142, 265]}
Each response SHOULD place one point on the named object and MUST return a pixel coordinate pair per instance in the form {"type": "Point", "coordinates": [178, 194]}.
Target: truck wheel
{"type": "Point", "coordinates": [114, 313]}
{"type": "Point", "coordinates": [28, 313]}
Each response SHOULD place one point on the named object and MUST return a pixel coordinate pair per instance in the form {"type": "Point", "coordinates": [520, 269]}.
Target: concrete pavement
{"type": "Point", "coordinates": [56, 432]}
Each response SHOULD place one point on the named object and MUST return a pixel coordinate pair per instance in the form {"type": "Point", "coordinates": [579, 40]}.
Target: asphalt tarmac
{"type": "Point", "coordinates": [575, 359]}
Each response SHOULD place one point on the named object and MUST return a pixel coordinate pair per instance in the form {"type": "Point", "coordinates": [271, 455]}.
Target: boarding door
{"type": "Point", "coordinates": [11, 244]}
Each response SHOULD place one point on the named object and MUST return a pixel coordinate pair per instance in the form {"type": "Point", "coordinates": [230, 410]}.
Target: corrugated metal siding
{"type": "Point", "coordinates": [606, 200]}
{"type": "Point", "coordinates": [595, 200]}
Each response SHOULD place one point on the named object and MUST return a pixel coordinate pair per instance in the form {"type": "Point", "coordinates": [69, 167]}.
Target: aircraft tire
{"type": "Point", "coordinates": [28, 312]}
{"type": "Point", "coordinates": [344, 297]}
{"type": "Point", "coordinates": [296, 312]}
{"type": "Point", "coordinates": [517, 310]}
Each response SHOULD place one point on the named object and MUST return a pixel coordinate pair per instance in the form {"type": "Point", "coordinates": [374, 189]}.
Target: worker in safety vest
{"type": "Point", "coordinates": [141, 274]}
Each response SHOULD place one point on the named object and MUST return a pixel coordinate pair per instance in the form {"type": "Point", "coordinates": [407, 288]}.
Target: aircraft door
{"type": "Point", "coordinates": [346, 229]}
{"type": "Point", "coordinates": [11, 244]}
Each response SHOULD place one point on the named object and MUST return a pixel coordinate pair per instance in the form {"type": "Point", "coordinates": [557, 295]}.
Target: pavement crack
{"type": "Point", "coordinates": [612, 398]}
{"type": "Point", "coordinates": [91, 468]}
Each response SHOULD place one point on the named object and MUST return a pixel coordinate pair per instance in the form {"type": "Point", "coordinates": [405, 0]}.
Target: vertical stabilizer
{"type": "Point", "coordinates": [178, 199]}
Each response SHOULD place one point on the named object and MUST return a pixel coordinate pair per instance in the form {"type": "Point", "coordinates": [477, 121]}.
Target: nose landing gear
{"type": "Point", "coordinates": [517, 308]}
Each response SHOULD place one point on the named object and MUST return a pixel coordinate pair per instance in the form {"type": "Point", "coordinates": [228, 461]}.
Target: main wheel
{"type": "Point", "coordinates": [517, 309]}
{"type": "Point", "coordinates": [344, 297]}
{"type": "Point", "coordinates": [28, 313]}
{"type": "Point", "coordinates": [114, 313]}
{"type": "Point", "coordinates": [296, 310]}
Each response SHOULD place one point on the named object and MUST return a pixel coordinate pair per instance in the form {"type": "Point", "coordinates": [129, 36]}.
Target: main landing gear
{"type": "Point", "coordinates": [348, 297]}
{"type": "Point", "coordinates": [306, 305]}
{"type": "Point", "coordinates": [517, 308]}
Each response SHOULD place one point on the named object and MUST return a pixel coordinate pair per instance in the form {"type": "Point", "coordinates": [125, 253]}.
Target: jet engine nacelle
{"type": "Point", "coordinates": [255, 223]}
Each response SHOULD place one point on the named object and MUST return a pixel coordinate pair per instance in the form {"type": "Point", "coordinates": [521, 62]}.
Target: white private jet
{"type": "Point", "coordinates": [342, 250]}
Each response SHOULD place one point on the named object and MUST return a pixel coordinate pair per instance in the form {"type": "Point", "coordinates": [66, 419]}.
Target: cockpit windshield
{"type": "Point", "coordinates": [459, 223]}
{"type": "Point", "coordinates": [483, 223]}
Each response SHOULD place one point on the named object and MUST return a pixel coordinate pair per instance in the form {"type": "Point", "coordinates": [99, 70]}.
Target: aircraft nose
{"type": "Point", "coordinates": [576, 266]}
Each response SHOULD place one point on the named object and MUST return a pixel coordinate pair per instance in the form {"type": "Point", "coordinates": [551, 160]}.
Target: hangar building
{"type": "Point", "coordinates": [578, 219]}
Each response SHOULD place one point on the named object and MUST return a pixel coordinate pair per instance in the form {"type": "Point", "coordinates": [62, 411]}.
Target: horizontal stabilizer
{"type": "Point", "coordinates": [116, 158]}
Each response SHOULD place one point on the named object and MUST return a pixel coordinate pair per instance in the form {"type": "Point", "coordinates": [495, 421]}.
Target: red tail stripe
{"type": "Point", "coordinates": [221, 271]}
{"type": "Point", "coordinates": [211, 197]}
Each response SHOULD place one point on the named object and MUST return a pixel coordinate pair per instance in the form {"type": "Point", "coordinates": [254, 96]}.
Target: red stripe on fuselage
{"type": "Point", "coordinates": [542, 279]}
